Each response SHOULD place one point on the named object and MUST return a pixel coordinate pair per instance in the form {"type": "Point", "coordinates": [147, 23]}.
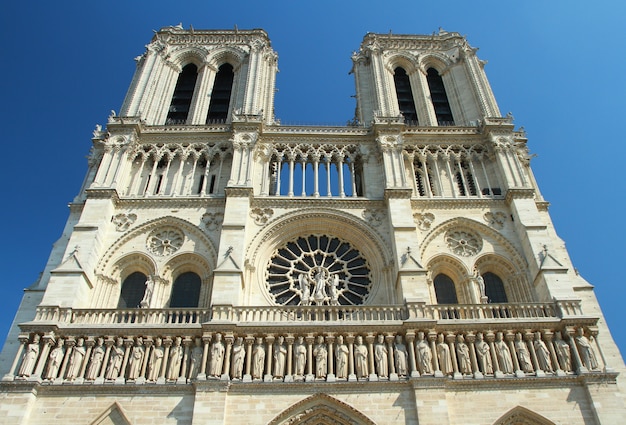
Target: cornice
{"type": "Point", "coordinates": [309, 202]}
{"type": "Point", "coordinates": [238, 192]}
{"type": "Point", "coordinates": [398, 193]}
{"type": "Point", "coordinates": [169, 202]}
{"type": "Point", "coordinates": [521, 193]}
{"type": "Point", "coordinates": [542, 205]}
{"type": "Point", "coordinates": [458, 203]}
{"type": "Point", "coordinates": [103, 193]}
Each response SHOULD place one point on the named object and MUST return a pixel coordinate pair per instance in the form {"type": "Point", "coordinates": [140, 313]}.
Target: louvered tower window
{"type": "Point", "coordinates": [220, 96]}
{"type": "Point", "coordinates": [181, 101]}
{"type": "Point", "coordinates": [439, 98]}
{"type": "Point", "coordinates": [406, 103]}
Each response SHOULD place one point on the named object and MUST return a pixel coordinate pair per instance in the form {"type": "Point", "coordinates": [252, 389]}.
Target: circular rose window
{"type": "Point", "coordinates": [318, 270]}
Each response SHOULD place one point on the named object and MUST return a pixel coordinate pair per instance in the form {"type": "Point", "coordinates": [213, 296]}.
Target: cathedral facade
{"type": "Point", "coordinates": [218, 267]}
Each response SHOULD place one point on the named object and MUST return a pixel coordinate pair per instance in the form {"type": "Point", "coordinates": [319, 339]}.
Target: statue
{"type": "Point", "coordinates": [321, 358]}
{"type": "Point", "coordinates": [381, 357]}
{"type": "Point", "coordinates": [156, 360]}
{"type": "Point", "coordinates": [239, 354]}
{"type": "Point", "coordinates": [319, 293]}
{"type": "Point", "coordinates": [115, 360]}
{"type": "Point", "coordinates": [341, 357]}
{"type": "Point", "coordinates": [587, 355]}
{"type": "Point", "coordinates": [175, 360]}
{"type": "Point", "coordinates": [136, 359]}
{"type": "Point", "coordinates": [54, 360]}
{"type": "Point", "coordinates": [523, 354]}
{"type": "Point", "coordinates": [424, 355]}
{"type": "Point", "coordinates": [462, 351]}
{"type": "Point", "coordinates": [400, 356]}
{"type": "Point", "coordinates": [443, 354]}
{"type": "Point", "coordinates": [483, 352]}
{"type": "Point", "coordinates": [481, 283]}
{"type": "Point", "coordinates": [258, 359]}
{"type": "Point", "coordinates": [76, 360]}
{"type": "Point", "coordinates": [504, 354]}
{"type": "Point", "coordinates": [543, 354]}
{"type": "Point", "coordinates": [563, 353]}
{"type": "Point", "coordinates": [217, 357]}
{"type": "Point", "coordinates": [299, 352]}
{"type": "Point", "coordinates": [280, 355]}
{"type": "Point", "coordinates": [29, 358]}
{"type": "Point", "coordinates": [147, 295]}
{"type": "Point", "coordinates": [334, 290]}
{"type": "Point", "coordinates": [360, 358]}
{"type": "Point", "coordinates": [305, 292]}
{"type": "Point", "coordinates": [97, 355]}
{"type": "Point", "coordinates": [196, 359]}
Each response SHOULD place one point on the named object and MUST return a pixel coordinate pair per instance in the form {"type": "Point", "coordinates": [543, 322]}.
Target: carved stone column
{"type": "Point", "coordinates": [369, 339]}
{"type": "Point", "coordinates": [105, 361]}
{"type": "Point", "coordinates": [229, 339]}
{"type": "Point", "coordinates": [350, 342]}
{"type": "Point", "coordinates": [309, 358]}
{"type": "Point", "coordinates": [48, 342]}
{"type": "Point", "coordinates": [183, 371]}
{"type": "Point", "coordinates": [471, 338]}
{"type": "Point", "coordinates": [89, 342]}
{"type": "Point", "coordinates": [510, 336]}
{"type": "Point", "coordinates": [206, 340]}
{"type": "Point", "coordinates": [249, 340]}
{"type": "Point", "coordinates": [167, 343]}
{"type": "Point", "coordinates": [69, 344]}
{"type": "Point", "coordinates": [410, 340]}
{"type": "Point", "coordinates": [393, 376]}
{"type": "Point", "coordinates": [289, 374]}
{"type": "Point", "coordinates": [330, 339]}
{"type": "Point", "coordinates": [269, 341]}
{"type": "Point", "coordinates": [594, 335]}
{"type": "Point", "coordinates": [577, 364]}
{"type": "Point", "coordinates": [490, 337]}
{"type": "Point", "coordinates": [548, 336]}
{"type": "Point", "coordinates": [128, 345]}
{"type": "Point", "coordinates": [432, 337]}
{"type": "Point", "coordinates": [20, 352]}
{"type": "Point", "coordinates": [146, 357]}
{"type": "Point", "coordinates": [528, 339]}
{"type": "Point", "coordinates": [450, 338]}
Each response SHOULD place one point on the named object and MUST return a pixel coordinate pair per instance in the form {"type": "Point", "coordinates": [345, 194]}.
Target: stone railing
{"type": "Point", "coordinates": [373, 352]}
{"type": "Point", "coordinates": [528, 312]}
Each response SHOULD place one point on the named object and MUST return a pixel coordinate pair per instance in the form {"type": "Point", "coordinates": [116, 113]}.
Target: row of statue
{"type": "Point", "coordinates": [306, 358]}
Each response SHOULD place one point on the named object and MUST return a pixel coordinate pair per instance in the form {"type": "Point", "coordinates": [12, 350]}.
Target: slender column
{"type": "Point", "coordinates": [482, 165]}
{"type": "Point", "coordinates": [428, 190]}
{"type": "Point", "coordinates": [152, 178]}
{"type": "Point", "coordinates": [186, 343]}
{"type": "Point", "coordinates": [390, 357]}
{"type": "Point", "coordinates": [410, 342]}
{"type": "Point", "coordinates": [103, 169]}
{"type": "Point", "coordinates": [179, 172]}
{"type": "Point", "coordinates": [353, 179]}
{"type": "Point", "coordinates": [350, 341]}
{"type": "Point", "coordinates": [594, 335]}
{"type": "Point", "coordinates": [146, 356]}
{"type": "Point", "coordinates": [548, 336]}
{"type": "Point", "coordinates": [205, 354]}
{"type": "Point", "coordinates": [455, 363]}
{"type": "Point", "coordinates": [450, 176]}
{"type": "Point", "coordinates": [188, 180]}
{"type": "Point", "coordinates": [248, 340]}
{"type": "Point", "coordinates": [509, 339]}
{"type": "Point", "coordinates": [342, 194]}
{"type": "Point", "coordinates": [229, 339]}
{"type": "Point", "coordinates": [135, 186]}
{"type": "Point", "coordinates": [167, 343]}
{"type": "Point", "coordinates": [69, 343]}
{"type": "Point", "coordinates": [128, 344]}
{"type": "Point", "coordinates": [528, 338]}
{"type": "Point", "coordinates": [438, 176]}
{"type": "Point", "coordinates": [24, 342]}
{"type": "Point", "coordinates": [269, 340]}
{"type": "Point", "coordinates": [328, 163]}
{"type": "Point", "coordinates": [219, 175]}
{"type": "Point", "coordinates": [432, 337]}
{"type": "Point", "coordinates": [207, 169]}
{"type": "Point", "coordinates": [470, 338]}
{"type": "Point", "coordinates": [280, 168]}
{"type": "Point", "coordinates": [291, 167]}
{"type": "Point", "coordinates": [479, 191]}
{"type": "Point", "coordinates": [463, 179]}
{"type": "Point", "coordinates": [316, 176]}
{"type": "Point", "coordinates": [303, 192]}
{"type": "Point", "coordinates": [89, 343]}
{"type": "Point", "coordinates": [309, 355]}
{"type": "Point", "coordinates": [105, 361]}
{"type": "Point", "coordinates": [490, 337]}
{"type": "Point", "coordinates": [330, 339]}
{"type": "Point", "coordinates": [48, 341]}
{"type": "Point", "coordinates": [370, 355]}
{"type": "Point", "coordinates": [165, 175]}
{"type": "Point", "coordinates": [577, 364]}
{"type": "Point", "coordinates": [289, 339]}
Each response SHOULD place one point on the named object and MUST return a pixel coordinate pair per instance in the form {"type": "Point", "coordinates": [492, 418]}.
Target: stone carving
{"type": "Point", "coordinates": [213, 220]}
{"type": "Point", "coordinates": [261, 215]}
{"type": "Point", "coordinates": [321, 358]}
{"type": "Point", "coordinates": [258, 359]}
{"type": "Point", "coordinates": [156, 360]}
{"type": "Point", "coordinates": [147, 295]}
{"type": "Point", "coordinates": [341, 357]}
{"type": "Point", "coordinates": [424, 355]}
{"type": "Point", "coordinates": [123, 221]}
{"type": "Point", "coordinates": [115, 360]}
{"type": "Point", "coordinates": [54, 360]}
{"type": "Point", "coordinates": [374, 217]}
{"type": "Point", "coordinates": [196, 359]}
{"type": "Point", "coordinates": [504, 354]}
{"type": "Point", "coordinates": [217, 357]}
{"type": "Point", "coordinates": [523, 354]}
{"type": "Point", "coordinates": [543, 354]}
{"type": "Point", "coordinates": [175, 360]}
{"type": "Point", "coordinates": [165, 241]}
{"type": "Point", "coordinates": [29, 359]}
{"type": "Point", "coordinates": [463, 242]}
{"type": "Point", "coordinates": [136, 359]}
{"type": "Point", "coordinates": [462, 351]}
{"type": "Point", "coordinates": [495, 219]}
{"type": "Point", "coordinates": [381, 357]}
{"type": "Point", "coordinates": [95, 363]}
{"type": "Point", "coordinates": [239, 355]}
{"type": "Point", "coordinates": [563, 353]}
{"type": "Point", "coordinates": [483, 354]}
{"type": "Point", "coordinates": [424, 220]}
{"type": "Point", "coordinates": [400, 356]}
{"type": "Point", "coordinates": [76, 360]}
{"type": "Point", "coordinates": [587, 354]}
{"type": "Point", "coordinates": [299, 353]}
{"type": "Point", "coordinates": [280, 355]}
{"type": "Point", "coordinates": [444, 356]}
{"type": "Point", "coordinates": [360, 358]}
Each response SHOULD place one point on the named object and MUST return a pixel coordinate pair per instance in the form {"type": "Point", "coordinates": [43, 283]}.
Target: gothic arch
{"type": "Point", "coordinates": [321, 409]}
{"type": "Point", "coordinates": [190, 262]}
{"type": "Point", "coordinates": [232, 55]}
{"type": "Point", "coordinates": [454, 269]}
{"type": "Point", "coordinates": [320, 222]}
{"type": "Point", "coordinates": [184, 56]}
{"type": "Point", "coordinates": [522, 416]}
{"type": "Point", "coordinates": [114, 414]}
{"type": "Point", "coordinates": [438, 61]}
{"type": "Point", "coordinates": [404, 60]}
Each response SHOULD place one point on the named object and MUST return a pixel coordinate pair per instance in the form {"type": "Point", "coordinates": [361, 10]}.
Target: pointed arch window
{"type": "Point", "coordinates": [406, 103]}
{"type": "Point", "coordinates": [439, 98]}
{"type": "Point", "coordinates": [183, 93]}
{"type": "Point", "coordinates": [220, 95]}
{"type": "Point", "coordinates": [494, 288]}
{"type": "Point", "coordinates": [133, 289]}
{"type": "Point", "coordinates": [186, 290]}
{"type": "Point", "coordinates": [445, 290]}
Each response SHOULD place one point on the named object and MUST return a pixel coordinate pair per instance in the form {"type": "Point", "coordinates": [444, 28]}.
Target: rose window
{"type": "Point", "coordinates": [318, 270]}
{"type": "Point", "coordinates": [165, 241]}
{"type": "Point", "coordinates": [464, 243]}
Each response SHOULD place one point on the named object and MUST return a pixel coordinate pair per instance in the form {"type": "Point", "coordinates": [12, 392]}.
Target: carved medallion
{"type": "Point", "coordinates": [123, 221]}
{"type": "Point", "coordinates": [424, 220]}
{"type": "Point", "coordinates": [165, 241]}
{"type": "Point", "coordinates": [464, 242]}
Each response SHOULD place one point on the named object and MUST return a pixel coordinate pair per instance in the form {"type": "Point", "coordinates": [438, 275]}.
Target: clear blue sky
{"type": "Point", "coordinates": [559, 67]}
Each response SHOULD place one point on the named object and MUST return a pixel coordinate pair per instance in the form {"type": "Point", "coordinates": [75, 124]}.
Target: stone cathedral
{"type": "Point", "coordinates": [219, 267]}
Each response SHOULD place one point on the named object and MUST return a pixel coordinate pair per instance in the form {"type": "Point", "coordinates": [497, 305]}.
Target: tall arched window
{"type": "Point", "coordinates": [445, 290]}
{"type": "Point", "coordinates": [133, 289]}
{"type": "Point", "coordinates": [220, 95]}
{"type": "Point", "coordinates": [439, 98]}
{"type": "Point", "coordinates": [186, 290]}
{"type": "Point", "coordinates": [406, 103]}
{"type": "Point", "coordinates": [494, 288]}
{"type": "Point", "coordinates": [181, 101]}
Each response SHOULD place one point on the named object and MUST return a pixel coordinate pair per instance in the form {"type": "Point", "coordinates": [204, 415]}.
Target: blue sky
{"type": "Point", "coordinates": [559, 67]}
